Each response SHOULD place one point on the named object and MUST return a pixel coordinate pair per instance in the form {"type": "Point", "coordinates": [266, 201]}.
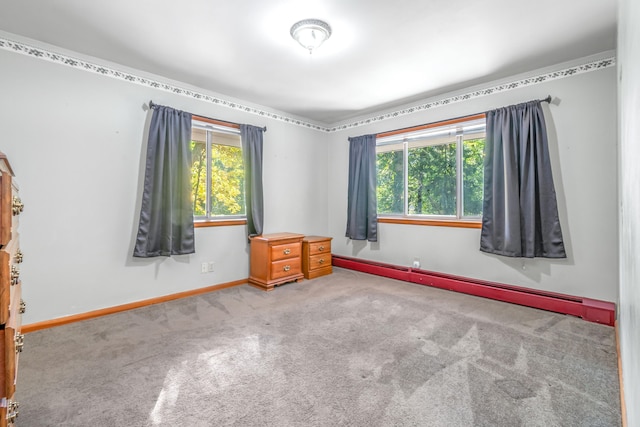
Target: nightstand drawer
{"type": "Point", "coordinates": [285, 267]}
{"type": "Point", "coordinates": [319, 261]}
{"type": "Point", "coordinates": [289, 250]}
{"type": "Point", "coordinates": [320, 247]}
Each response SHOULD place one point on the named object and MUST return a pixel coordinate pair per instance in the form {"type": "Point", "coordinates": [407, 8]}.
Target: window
{"type": "Point", "coordinates": [217, 172]}
{"type": "Point", "coordinates": [432, 171]}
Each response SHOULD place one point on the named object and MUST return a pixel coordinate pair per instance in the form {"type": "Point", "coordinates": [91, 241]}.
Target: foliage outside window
{"type": "Point", "coordinates": [433, 173]}
{"type": "Point", "coordinates": [217, 172]}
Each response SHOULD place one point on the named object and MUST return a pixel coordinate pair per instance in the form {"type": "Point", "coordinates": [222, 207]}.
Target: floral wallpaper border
{"type": "Point", "coordinates": [44, 54]}
{"type": "Point", "coordinates": [579, 69]}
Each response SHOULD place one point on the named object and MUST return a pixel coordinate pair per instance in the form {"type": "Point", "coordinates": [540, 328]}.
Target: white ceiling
{"type": "Point", "coordinates": [382, 53]}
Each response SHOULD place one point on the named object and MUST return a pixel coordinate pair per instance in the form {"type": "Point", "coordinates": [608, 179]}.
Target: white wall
{"type": "Point", "coordinates": [629, 96]}
{"type": "Point", "coordinates": [582, 134]}
{"type": "Point", "coordinates": [76, 142]}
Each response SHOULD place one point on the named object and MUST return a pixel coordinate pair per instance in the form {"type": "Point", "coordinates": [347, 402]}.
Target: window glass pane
{"type": "Point", "coordinates": [473, 176]}
{"type": "Point", "coordinates": [390, 173]}
{"type": "Point", "coordinates": [199, 171]}
{"type": "Point", "coordinates": [432, 179]}
{"type": "Point", "coordinates": [227, 175]}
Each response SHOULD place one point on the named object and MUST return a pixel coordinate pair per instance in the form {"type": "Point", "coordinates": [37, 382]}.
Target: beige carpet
{"type": "Point", "coordinates": [348, 349]}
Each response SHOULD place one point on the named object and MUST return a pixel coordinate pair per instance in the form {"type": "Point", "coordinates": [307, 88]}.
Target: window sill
{"type": "Point", "coordinates": [219, 223]}
{"type": "Point", "coordinates": [432, 222]}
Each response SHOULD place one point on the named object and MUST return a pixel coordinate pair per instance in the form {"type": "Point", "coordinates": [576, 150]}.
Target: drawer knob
{"type": "Point", "coordinates": [12, 411]}
{"type": "Point", "coordinates": [15, 275]}
{"type": "Point", "coordinates": [321, 248]}
{"type": "Point", "coordinates": [17, 206]}
{"type": "Point", "coordinates": [23, 306]}
{"type": "Point", "coordinates": [286, 251]}
{"type": "Point", "coordinates": [287, 268]}
{"type": "Point", "coordinates": [19, 342]}
{"type": "Point", "coordinates": [19, 257]}
{"type": "Point", "coordinates": [321, 261]}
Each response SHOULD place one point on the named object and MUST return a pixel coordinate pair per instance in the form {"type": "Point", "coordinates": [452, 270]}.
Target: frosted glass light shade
{"type": "Point", "coordinates": [310, 33]}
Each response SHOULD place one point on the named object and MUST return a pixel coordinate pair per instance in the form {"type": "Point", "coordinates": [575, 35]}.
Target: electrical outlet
{"type": "Point", "coordinates": [204, 267]}
{"type": "Point", "coordinates": [416, 263]}
{"type": "Point", "coordinates": [210, 266]}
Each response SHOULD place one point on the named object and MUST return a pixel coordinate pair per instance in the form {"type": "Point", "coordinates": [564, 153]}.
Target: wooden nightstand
{"type": "Point", "coordinates": [316, 256]}
{"type": "Point", "coordinates": [275, 259]}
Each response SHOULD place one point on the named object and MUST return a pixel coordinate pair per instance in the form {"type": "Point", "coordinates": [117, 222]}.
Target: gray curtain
{"type": "Point", "coordinates": [520, 213]}
{"type": "Point", "coordinates": [252, 139]}
{"type": "Point", "coordinates": [166, 215]}
{"type": "Point", "coordinates": [362, 213]}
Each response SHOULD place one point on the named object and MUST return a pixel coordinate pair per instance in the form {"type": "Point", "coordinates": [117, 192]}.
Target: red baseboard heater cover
{"type": "Point", "coordinates": [588, 309]}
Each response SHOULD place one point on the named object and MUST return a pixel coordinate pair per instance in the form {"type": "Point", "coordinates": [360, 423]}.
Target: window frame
{"type": "Point", "coordinates": [209, 125]}
{"type": "Point", "coordinates": [459, 220]}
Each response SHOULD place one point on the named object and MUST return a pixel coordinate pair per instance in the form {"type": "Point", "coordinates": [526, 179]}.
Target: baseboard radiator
{"type": "Point", "coordinates": [588, 309]}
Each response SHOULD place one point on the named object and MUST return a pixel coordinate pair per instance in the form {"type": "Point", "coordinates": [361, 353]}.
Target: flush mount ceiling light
{"type": "Point", "coordinates": [310, 33]}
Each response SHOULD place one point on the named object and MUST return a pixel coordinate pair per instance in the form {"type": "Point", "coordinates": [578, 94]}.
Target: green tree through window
{"type": "Point", "coordinates": [473, 176]}
{"type": "Point", "coordinates": [443, 168]}
{"type": "Point", "coordinates": [432, 180]}
{"type": "Point", "coordinates": [217, 173]}
{"type": "Point", "coordinates": [227, 180]}
{"type": "Point", "coordinates": [390, 171]}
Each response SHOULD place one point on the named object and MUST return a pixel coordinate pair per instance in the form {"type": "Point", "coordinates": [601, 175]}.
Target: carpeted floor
{"type": "Point", "coordinates": [348, 349]}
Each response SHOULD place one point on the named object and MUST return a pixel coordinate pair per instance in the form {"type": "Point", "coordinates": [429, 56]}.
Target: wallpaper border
{"type": "Point", "coordinates": [44, 54]}
{"type": "Point", "coordinates": [529, 81]}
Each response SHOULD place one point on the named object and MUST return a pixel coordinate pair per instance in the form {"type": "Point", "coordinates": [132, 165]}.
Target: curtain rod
{"type": "Point", "coordinates": [217, 121]}
{"type": "Point", "coordinates": [440, 123]}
